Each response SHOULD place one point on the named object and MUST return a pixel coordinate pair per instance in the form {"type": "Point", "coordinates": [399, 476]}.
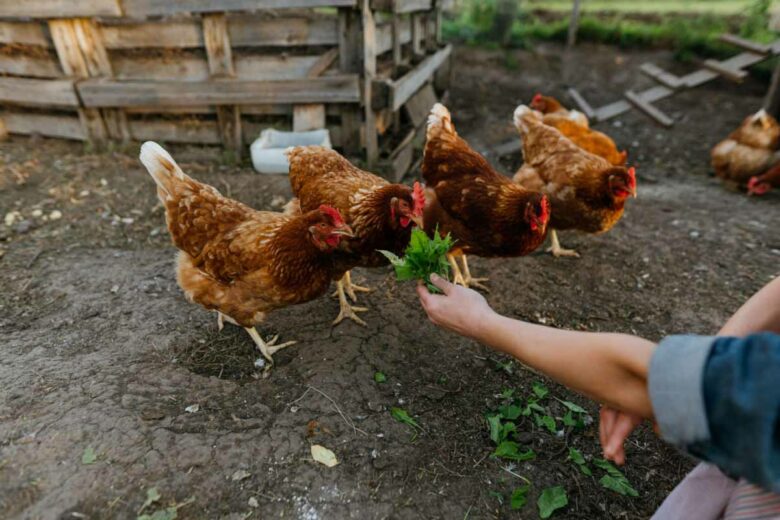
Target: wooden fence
{"type": "Point", "coordinates": [219, 71]}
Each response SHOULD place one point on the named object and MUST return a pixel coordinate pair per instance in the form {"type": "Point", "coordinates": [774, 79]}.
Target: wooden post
{"type": "Point", "coordinates": [66, 42]}
{"type": "Point", "coordinates": [418, 34]}
{"type": "Point", "coordinates": [369, 73]}
{"type": "Point", "coordinates": [350, 62]}
{"type": "Point", "coordinates": [220, 57]}
{"type": "Point", "coordinates": [772, 100]}
{"type": "Point", "coordinates": [397, 48]}
{"type": "Point", "coordinates": [97, 63]}
{"type": "Point", "coordinates": [574, 23]}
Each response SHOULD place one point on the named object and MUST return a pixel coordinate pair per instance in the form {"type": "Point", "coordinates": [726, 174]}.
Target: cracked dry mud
{"type": "Point", "coordinates": [100, 350]}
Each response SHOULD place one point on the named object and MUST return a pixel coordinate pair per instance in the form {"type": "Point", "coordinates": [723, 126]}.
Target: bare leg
{"type": "Point", "coordinates": [267, 349]}
{"type": "Point", "coordinates": [472, 282]}
{"type": "Point", "coordinates": [347, 311]}
{"type": "Point", "coordinates": [350, 288]}
{"type": "Point", "coordinates": [556, 248]}
{"type": "Point", "coordinates": [457, 276]}
{"type": "Point", "coordinates": [222, 318]}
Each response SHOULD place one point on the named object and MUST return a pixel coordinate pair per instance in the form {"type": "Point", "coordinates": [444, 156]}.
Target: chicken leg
{"type": "Point", "coordinates": [350, 288]}
{"type": "Point", "coordinates": [222, 318]}
{"type": "Point", "coordinates": [269, 348]}
{"type": "Point", "coordinates": [347, 310]}
{"type": "Point", "coordinates": [556, 249]}
{"type": "Point", "coordinates": [468, 280]}
{"type": "Point", "coordinates": [457, 275]}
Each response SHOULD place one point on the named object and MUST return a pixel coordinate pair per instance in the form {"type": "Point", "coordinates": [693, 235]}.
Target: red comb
{"type": "Point", "coordinates": [333, 213]}
{"type": "Point", "coordinates": [419, 199]}
{"type": "Point", "coordinates": [537, 97]}
{"type": "Point", "coordinates": [545, 215]}
{"type": "Point", "coordinates": [632, 176]}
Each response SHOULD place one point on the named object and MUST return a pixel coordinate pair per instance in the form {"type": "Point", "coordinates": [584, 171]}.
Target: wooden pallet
{"type": "Point", "coordinates": [219, 71]}
{"type": "Point", "coordinates": [732, 69]}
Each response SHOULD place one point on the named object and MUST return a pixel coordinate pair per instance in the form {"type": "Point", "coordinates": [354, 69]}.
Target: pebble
{"type": "Point", "coordinates": [23, 227]}
{"type": "Point", "coordinates": [253, 502]}
{"type": "Point", "coordinates": [114, 289]}
{"type": "Point", "coordinates": [55, 215]}
{"type": "Point", "coordinates": [694, 234]}
{"type": "Point", "coordinates": [37, 213]}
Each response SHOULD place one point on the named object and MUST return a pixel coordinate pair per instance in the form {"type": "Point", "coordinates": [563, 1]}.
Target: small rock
{"type": "Point", "coordinates": [114, 289]}
{"type": "Point", "coordinates": [127, 220]}
{"type": "Point", "coordinates": [253, 502]}
{"type": "Point", "coordinates": [259, 362]}
{"type": "Point", "coordinates": [152, 415]}
{"type": "Point", "coordinates": [11, 217]}
{"type": "Point", "coordinates": [193, 408]}
{"type": "Point", "coordinates": [617, 124]}
{"type": "Point", "coordinates": [84, 193]}
{"type": "Point", "coordinates": [55, 215]}
{"type": "Point", "coordinates": [694, 234]}
{"type": "Point", "coordinates": [23, 227]}
{"type": "Point", "coordinates": [103, 182]}
{"type": "Point", "coordinates": [37, 213]}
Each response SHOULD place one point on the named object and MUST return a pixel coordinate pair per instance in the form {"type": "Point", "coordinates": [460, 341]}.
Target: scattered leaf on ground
{"type": "Point", "coordinates": [540, 390]}
{"type": "Point", "coordinates": [576, 457]}
{"type": "Point", "coordinates": [169, 513]}
{"type": "Point", "coordinates": [400, 415]}
{"type": "Point", "coordinates": [551, 499]}
{"type": "Point", "coordinates": [152, 496]}
{"type": "Point", "coordinates": [520, 497]}
{"type": "Point", "coordinates": [379, 377]}
{"type": "Point", "coordinates": [89, 456]}
{"type": "Point", "coordinates": [549, 423]}
{"type": "Point", "coordinates": [240, 474]}
{"type": "Point", "coordinates": [571, 406]}
{"type": "Point", "coordinates": [511, 450]}
{"type": "Point", "coordinates": [510, 411]}
{"type": "Point", "coordinates": [614, 479]}
{"type": "Point", "coordinates": [323, 455]}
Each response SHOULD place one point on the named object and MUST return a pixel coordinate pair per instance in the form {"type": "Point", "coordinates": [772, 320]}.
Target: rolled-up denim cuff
{"type": "Point", "coordinates": [676, 393]}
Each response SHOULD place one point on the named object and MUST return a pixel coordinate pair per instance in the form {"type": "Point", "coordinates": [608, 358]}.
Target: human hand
{"type": "Point", "coordinates": [614, 428]}
{"type": "Point", "coordinates": [460, 310]}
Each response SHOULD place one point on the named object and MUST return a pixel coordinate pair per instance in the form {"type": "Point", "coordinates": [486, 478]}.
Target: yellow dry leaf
{"type": "Point", "coordinates": [323, 455]}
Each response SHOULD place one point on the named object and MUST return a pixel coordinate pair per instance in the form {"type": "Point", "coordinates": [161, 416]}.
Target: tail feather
{"type": "Point", "coordinates": [439, 120]}
{"type": "Point", "coordinates": [163, 169]}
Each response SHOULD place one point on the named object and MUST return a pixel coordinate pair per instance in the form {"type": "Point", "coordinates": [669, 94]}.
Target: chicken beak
{"type": "Point", "coordinates": [344, 231]}
{"type": "Point", "coordinates": [418, 220]}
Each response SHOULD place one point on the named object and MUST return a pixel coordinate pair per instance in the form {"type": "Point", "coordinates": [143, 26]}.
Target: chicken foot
{"type": "Point", "coordinates": [347, 310]}
{"type": "Point", "coordinates": [222, 318]}
{"type": "Point", "coordinates": [267, 348]}
{"type": "Point", "coordinates": [556, 249]}
{"type": "Point", "coordinates": [468, 280]}
{"type": "Point", "coordinates": [350, 288]}
{"type": "Point", "coordinates": [463, 276]}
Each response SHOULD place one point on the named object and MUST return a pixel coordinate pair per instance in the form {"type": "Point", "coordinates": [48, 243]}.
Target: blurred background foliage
{"type": "Point", "coordinates": [690, 28]}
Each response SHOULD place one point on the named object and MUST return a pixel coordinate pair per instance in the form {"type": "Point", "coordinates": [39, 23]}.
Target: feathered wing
{"type": "Point", "coordinates": [218, 233]}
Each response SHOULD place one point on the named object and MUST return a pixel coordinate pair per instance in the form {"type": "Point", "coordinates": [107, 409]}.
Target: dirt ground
{"type": "Point", "coordinates": [101, 354]}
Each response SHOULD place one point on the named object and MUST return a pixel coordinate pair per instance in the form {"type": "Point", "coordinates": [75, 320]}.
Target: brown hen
{"type": "Point", "coordinates": [485, 212]}
{"type": "Point", "coordinates": [586, 192]}
{"type": "Point", "coordinates": [238, 261]}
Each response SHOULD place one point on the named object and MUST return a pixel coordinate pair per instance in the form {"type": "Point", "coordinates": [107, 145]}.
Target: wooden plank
{"type": "Point", "coordinates": [175, 34]}
{"type": "Point", "coordinates": [3, 129]}
{"type": "Point", "coordinates": [59, 8]}
{"type": "Point", "coordinates": [323, 63]}
{"type": "Point", "coordinates": [650, 95]}
{"type": "Point", "coordinates": [699, 77]}
{"type": "Point", "coordinates": [396, 32]}
{"type": "Point", "coordinates": [419, 105]}
{"type": "Point", "coordinates": [751, 46]}
{"type": "Point", "coordinates": [650, 110]}
{"type": "Point", "coordinates": [581, 102]}
{"type": "Point", "coordinates": [63, 126]}
{"type": "Point", "coordinates": [661, 76]}
{"type": "Point", "coordinates": [63, 33]}
{"type": "Point", "coordinates": [248, 31]}
{"type": "Point", "coordinates": [92, 49]}
{"type": "Point", "coordinates": [23, 33]}
{"type": "Point", "coordinates": [171, 131]}
{"type": "Point", "coordinates": [403, 88]}
{"type": "Point", "coordinates": [220, 58]}
{"type": "Point", "coordinates": [384, 36]}
{"type": "Point", "coordinates": [401, 6]}
{"type": "Point", "coordinates": [328, 89]}
{"type": "Point", "coordinates": [38, 92]}
{"type": "Point", "coordinates": [308, 117]}
{"type": "Point", "coordinates": [195, 68]}
{"type": "Point", "coordinates": [369, 73]}
{"type": "Point", "coordinates": [30, 66]}
{"type": "Point", "coordinates": [418, 35]}
{"type": "Point", "coordinates": [141, 8]}
{"type": "Point", "coordinates": [729, 73]}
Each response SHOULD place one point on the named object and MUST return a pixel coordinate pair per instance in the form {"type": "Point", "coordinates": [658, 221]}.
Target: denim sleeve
{"type": "Point", "coordinates": [734, 384]}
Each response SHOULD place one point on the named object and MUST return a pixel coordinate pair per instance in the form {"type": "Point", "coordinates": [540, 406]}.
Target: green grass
{"type": "Point", "coordinates": [718, 7]}
{"type": "Point", "coordinates": [624, 25]}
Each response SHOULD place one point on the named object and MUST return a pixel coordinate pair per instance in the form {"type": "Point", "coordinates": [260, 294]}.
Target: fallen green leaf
{"type": "Point", "coordinates": [571, 406]}
{"type": "Point", "coordinates": [507, 393]}
{"type": "Point", "coordinates": [152, 496]}
{"type": "Point", "coordinates": [540, 390]}
{"type": "Point", "coordinates": [549, 423]}
{"type": "Point", "coordinates": [519, 497]}
{"type": "Point", "coordinates": [89, 456]}
{"type": "Point", "coordinates": [494, 423]}
{"type": "Point", "coordinates": [169, 513]}
{"type": "Point", "coordinates": [568, 419]}
{"type": "Point", "coordinates": [511, 450]}
{"type": "Point", "coordinates": [400, 415]}
{"type": "Point", "coordinates": [614, 479]}
{"type": "Point", "coordinates": [576, 457]}
{"type": "Point", "coordinates": [379, 377]}
{"type": "Point", "coordinates": [509, 411]}
{"type": "Point", "coordinates": [551, 499]}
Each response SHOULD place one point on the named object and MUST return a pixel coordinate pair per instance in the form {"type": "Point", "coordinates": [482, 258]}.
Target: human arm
{"type": "Point", "coordinates": [609, 368]}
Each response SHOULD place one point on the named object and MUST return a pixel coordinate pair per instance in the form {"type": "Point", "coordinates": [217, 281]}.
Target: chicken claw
{"type": "Point", "coordinates": [268, 349]}
{"type": "Point", "coordinates": [463, 277]}
{"type": "Point", "coordinates": [221, 319]}
{"type": "Point", "coordinates": [556, 249]}
{"type": "Point", "coordinates": [350, 288]}
{"type": "Point", "coordinates": [347, 310]}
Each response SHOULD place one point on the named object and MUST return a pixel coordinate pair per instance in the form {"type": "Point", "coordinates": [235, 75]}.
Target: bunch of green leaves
{"type": "Point", "coordinates": [579, 460]}
{"type": "Point", "coordinates": [614, 479]}
{"type": "Point", "coordinates": [423, 257]}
